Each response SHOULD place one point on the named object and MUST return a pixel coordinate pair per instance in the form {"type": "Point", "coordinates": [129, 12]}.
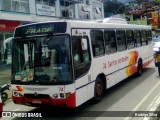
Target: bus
{"type": "Point", "coordinates": [68, 62]}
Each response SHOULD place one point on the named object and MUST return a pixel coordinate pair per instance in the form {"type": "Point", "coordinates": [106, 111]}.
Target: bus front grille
{"type": "Point", "coordinates": [39, 96]}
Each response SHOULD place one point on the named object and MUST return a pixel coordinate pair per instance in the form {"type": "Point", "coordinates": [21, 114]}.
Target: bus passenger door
{"type": "Point", "coordinates": [81, 66]}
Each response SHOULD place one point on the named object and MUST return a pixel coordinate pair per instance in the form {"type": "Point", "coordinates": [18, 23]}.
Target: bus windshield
{"type": "Point", "coordinates": [42, 60]}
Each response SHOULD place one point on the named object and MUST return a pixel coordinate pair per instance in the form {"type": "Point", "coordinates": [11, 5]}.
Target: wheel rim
{"type": "Point", "coordinates": [99, 89]}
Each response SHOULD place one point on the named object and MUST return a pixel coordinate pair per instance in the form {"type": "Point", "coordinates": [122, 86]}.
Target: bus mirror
{"type": "Point", "coordinates": [84, 43]}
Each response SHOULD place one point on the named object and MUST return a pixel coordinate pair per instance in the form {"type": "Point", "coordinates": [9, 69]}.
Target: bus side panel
{"type": "Point", "coordinates": [92, 81]}
{"type": "Point", "coordinates": [110, 70]}
{"type": "Point", "coordinates": [107, 65]}
{"type": "Point", "coordinates": [123, 62]}
{"type": "Point", "coordinates": [150, 52]}
{"type": "Point", "coordinates": [81, 90]}
{"type": "Point", "coordinates": [143, 53]}
{"type": "Point", "coordinates": [84, 84]}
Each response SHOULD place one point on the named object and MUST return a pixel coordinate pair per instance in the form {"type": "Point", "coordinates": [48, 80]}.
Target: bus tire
{"type": "Point", "coordinates": [139, 68]}
{"type": "Point", "coordinates": [98, 90]}
{"type": "Point", "coordinates": [4, 97]}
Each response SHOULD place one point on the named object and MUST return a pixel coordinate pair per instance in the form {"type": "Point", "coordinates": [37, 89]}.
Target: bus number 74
{"type": "Point", "coordinates": [61, 89]}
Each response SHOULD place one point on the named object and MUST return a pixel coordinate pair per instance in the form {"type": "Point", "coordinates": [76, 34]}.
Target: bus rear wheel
{"type": "Point", "coordinates": [139, 69]}
{"type": "Point", "coordinates": [98, 90]}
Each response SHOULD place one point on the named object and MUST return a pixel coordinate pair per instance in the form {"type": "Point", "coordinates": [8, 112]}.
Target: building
{"type": "Point", "coordinates": [16, 12]}
{"type": "Point", "coordinates": [146, 11]}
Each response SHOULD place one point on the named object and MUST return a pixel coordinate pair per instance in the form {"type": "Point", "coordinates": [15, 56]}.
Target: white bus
{"type": "Point", "coordinates": [66, 63]}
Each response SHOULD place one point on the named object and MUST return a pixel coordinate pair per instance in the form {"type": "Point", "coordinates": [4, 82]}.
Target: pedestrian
{"type": "Point", "coordinates": [157, 61]}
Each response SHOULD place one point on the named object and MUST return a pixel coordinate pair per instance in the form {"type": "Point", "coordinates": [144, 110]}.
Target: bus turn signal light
{"type": "Point", "coordinates": [68, 95]}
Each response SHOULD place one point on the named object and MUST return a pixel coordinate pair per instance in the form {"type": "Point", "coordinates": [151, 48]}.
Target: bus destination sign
{"type": "Point", "coordinates": [40, 29]}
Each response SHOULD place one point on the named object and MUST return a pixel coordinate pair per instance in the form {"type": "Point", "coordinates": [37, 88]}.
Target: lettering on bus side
{"type": "Point", "coordinates": [115, 62]}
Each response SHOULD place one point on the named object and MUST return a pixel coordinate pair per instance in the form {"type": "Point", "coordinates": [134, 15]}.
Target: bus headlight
{"type": "Point", "coordinates": [55, 95]}
{"type": "Point", "coordinates": [61, 95]}
{"type": "Point", "coordinates": [15, 94]}
{"type": "Point", "coordinates": [20, 95]}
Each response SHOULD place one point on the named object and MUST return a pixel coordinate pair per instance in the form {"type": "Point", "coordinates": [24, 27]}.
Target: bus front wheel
{"type": "Point", "coordinates": [4, 97]}
{"type": "Point", "coordinates": [98, 90]}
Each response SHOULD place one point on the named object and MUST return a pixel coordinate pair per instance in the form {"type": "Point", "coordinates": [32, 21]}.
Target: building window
{"type": "Point", "coordinates": [16, 5]}
{"type": "Point", "coordinates": [97, 42]}
{"type": "Point", "coordinates": [87, 2]}
{"type": "Point", "coordinates": [110, 42]}
{"type": "Point", "coordinates": [121, 40]}
{"type": "Point", "coordinates": [46, 2]}
{"type": "Point", "coordinates": [97, 11]}
{"type": "Point", "coordinates": [67, 9]}
{"type": "Point", "coordinates": [84, 11]}
{"type": "Point", "coordinates": [46, 7]}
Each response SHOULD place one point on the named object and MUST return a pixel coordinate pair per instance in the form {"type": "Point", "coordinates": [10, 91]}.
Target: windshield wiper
{"type": "Point", "coordinates": [42, 78]}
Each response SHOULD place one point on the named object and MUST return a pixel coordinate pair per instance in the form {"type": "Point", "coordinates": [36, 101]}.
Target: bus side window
{"type": "Point", "coordinates": [121, 40]}
{"type": "Point", "coordinates": [149, 36]}
{"type": "Point", "coordinates": [110, 42]}
{"type": "Point", "coordinates": [97, 42]}
{"type": "Point", "coordinates": [130, 39]}
{"type": "Point", "coordinates": [137, 37]}
{"type": "Point", "coordinates": [144, 37]}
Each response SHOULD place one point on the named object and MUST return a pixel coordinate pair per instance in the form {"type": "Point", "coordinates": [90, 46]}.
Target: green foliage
{"type": "Point", "coordinates": [113, 7]}
{"type": "Point", "coordinates": [157, 1]}
{"type": "Point", "coordinates": [142, 22]}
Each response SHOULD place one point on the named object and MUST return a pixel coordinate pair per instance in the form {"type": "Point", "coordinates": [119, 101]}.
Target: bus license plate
{"type": "Point", "coordinates": [36, 101]}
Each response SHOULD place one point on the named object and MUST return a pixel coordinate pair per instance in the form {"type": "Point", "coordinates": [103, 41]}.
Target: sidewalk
{"type": "Point", "coordinates": [5, 78]}
{"type": "Point", "coordinates": [4, 66]}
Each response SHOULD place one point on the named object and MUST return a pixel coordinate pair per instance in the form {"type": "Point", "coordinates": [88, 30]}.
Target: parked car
{"type": "Point", "coordinates": [156, 44]}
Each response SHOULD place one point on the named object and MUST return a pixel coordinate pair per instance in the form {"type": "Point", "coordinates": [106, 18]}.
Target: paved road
{"type": "Point", "coordinates": [134, 94]}
{"type": "Point", "coordinates": [5, 76]}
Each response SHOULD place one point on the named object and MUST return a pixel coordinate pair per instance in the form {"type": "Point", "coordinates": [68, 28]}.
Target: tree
{"type": "Point", "coordinates": [112, 7]}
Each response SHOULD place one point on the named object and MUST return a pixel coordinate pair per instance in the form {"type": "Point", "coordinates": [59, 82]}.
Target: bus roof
{"type": "Point", "coordinates": [105, 23]}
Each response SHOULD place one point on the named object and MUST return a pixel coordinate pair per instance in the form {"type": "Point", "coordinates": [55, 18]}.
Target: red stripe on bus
{"type": "Point", "coordinates": [147, 63]}
{"type": "Point", "coordinates": [1, 109]}
{"type": "Point", "coordinates": [68, 102]}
